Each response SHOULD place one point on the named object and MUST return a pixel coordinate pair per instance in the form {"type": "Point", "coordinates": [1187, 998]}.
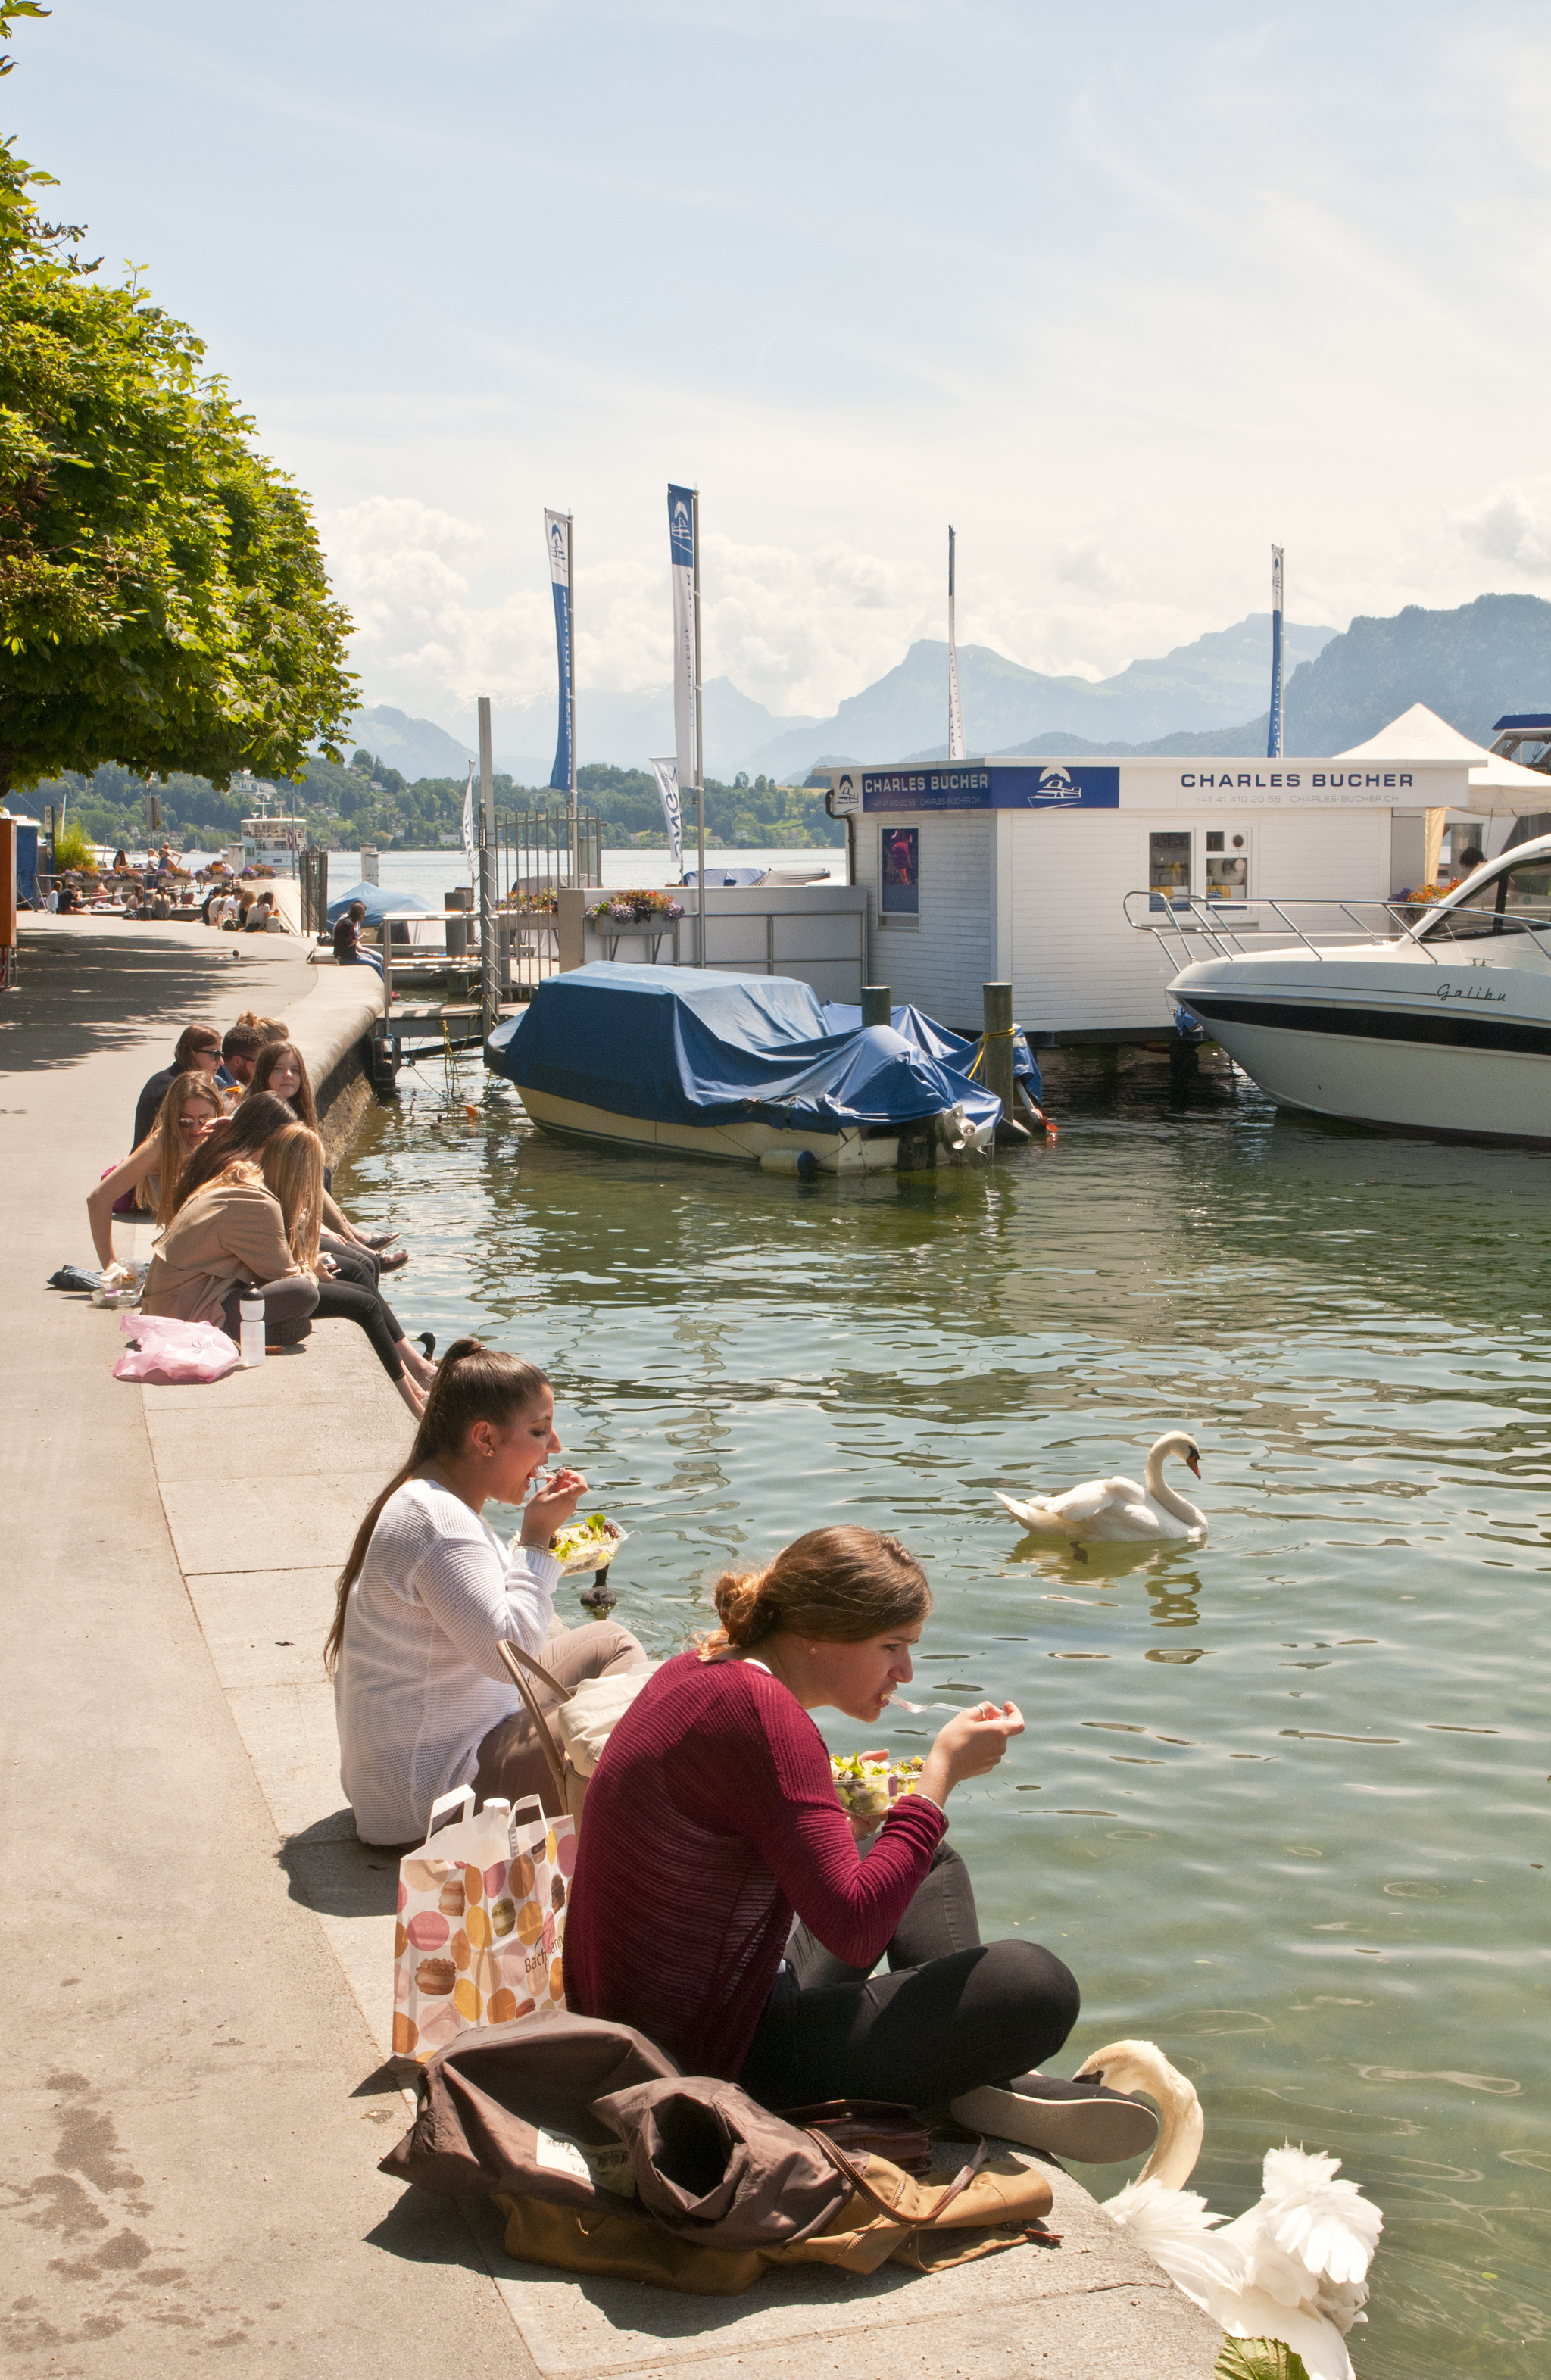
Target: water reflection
{"type": "Point", "coordinates": [1357, 1330]}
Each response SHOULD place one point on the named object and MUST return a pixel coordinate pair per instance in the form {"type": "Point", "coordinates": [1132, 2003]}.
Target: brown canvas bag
{"type": "Point", "coordinates": [712, 2165]}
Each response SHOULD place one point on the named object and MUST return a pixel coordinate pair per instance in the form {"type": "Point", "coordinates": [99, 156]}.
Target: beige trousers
{"type": "Point", "coordinates": [512, 1763]}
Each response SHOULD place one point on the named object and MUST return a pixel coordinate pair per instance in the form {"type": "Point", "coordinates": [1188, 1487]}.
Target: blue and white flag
{"type": "Point", "coordinates": [1274, 740]}
{"type": "Point", "coordinates": [557, 537]}
{"type": "Point", "coordinates": [667, 775]}
{"type": "Point", "coordinates": [468, 851]}
{"type": "Point", "coordinates": [681, 548]}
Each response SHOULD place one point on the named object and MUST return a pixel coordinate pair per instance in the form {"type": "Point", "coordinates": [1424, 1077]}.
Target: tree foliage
{"type": "Point", "coordinates": [164, 600]}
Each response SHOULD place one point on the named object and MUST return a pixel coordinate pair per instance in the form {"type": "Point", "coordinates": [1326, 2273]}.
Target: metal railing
{"type": "Point", "coordinates": [1221, 926]}
{"type": "Point", "coordinates": [538, 854]}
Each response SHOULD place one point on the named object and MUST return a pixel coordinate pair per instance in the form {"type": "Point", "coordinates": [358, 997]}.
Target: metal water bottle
{"type": "Point", "coordinates": [251, 1310]}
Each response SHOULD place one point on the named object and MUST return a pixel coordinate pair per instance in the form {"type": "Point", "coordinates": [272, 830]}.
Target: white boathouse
{"type": "Point", "coordinates": [1019, 870]}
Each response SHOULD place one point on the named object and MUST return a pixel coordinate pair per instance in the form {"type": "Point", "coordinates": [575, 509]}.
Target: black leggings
{"type": "Point", "coordinates": [297, 1299]}
{"type": "Point", "coordinates": [951, 2014]}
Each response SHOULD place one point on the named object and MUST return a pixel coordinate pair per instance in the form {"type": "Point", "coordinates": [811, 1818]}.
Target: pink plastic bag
{"type": "Point", "coordinates": [166, 1351]}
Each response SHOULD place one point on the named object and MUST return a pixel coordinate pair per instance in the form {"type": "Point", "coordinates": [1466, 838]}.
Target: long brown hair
{"type": "Point", "coordinates": [292, 1163]}
{"type": "Point", "coordinates": [473, 1383]}
{"type": "Point", "coordinates": [171, 1156]}
{"type": "Point", "coordinates": [837, 1586]}
{"type": "Point", "coordinates": [302, 1098]}
{"type": "Point", "coordinates": [251, 1122]}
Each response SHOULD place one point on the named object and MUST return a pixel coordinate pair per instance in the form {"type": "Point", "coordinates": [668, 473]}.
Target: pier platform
{"type": "Point", "coordinates": [200, 1948]}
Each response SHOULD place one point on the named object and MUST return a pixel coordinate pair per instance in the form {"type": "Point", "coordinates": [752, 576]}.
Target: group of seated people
{"type": "Point", "coordinates": [721, 1903]}
{"type": "Point", "coordinates": [228, 1159]}
{"type": "Point", "coordinates": [238, 909]}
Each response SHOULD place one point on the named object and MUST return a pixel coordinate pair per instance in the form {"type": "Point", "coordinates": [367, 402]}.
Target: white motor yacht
{"type": "Point", "coordinates": [1441, 1026]}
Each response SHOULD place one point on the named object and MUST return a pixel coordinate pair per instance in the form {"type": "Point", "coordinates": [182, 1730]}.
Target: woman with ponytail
{"type": "Point", "coordinates": [423, 1700]}
{"type": "Point", "coordinates": [720, 1904]}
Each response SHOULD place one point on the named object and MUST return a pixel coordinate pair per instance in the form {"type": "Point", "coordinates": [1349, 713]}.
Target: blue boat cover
{"type": "Point", "coordinates": [951, 1049]}
{"type": "Point", "coordinates": [379, 902]}
{"type": "Point", "coordinates": [682, 1045]}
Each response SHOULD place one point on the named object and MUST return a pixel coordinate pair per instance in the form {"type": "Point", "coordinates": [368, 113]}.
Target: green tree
{"type": "Point", "coordinates": [164, 600]}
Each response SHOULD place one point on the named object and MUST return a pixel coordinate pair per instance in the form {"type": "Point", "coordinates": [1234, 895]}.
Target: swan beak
{"type": "Point", "coordinates": [1194, 1461]}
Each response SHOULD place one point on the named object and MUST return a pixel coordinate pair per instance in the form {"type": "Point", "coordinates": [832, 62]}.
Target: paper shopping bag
{"type": "Point", "coordinates": [481, 1907]}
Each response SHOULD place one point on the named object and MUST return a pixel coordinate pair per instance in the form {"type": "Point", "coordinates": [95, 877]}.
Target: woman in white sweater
{"type": "Point", "coordinates": [422, 1698]}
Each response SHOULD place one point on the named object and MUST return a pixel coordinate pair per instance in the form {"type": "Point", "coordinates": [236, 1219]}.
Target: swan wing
{"type": "Point", "coordinates": [1040, 1515]}
{"type": "Point", "coordinates": [1311, 2238]}
{"type": "Point", "coordinates": [1178, 2232]}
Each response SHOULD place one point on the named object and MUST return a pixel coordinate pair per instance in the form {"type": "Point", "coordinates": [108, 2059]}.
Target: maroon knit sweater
{"type": "Point", "coordinates": [710, 1818]}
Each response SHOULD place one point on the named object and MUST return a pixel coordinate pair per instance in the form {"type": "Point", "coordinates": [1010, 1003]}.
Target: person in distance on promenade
{"type": "Point", "coordinates": [196, 1050]}
{"type": "Point", "coordinates": [347, 948]}
{"type": "Point", "coordinates": [149, 1177]}
{"type": "Point", "coordinates": [422, 1699]}
{"type": "Point", "coordinates": [713, 1824]}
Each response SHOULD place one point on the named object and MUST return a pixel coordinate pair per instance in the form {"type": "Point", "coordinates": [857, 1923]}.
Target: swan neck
{"type": "Point", "coordinates": [1182, 2131]}
{"type": "Point", "coordinates": [1161, 1493]}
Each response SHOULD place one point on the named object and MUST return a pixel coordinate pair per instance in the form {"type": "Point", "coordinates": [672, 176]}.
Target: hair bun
{"type": "Point", "coordinates": [738, 1597]}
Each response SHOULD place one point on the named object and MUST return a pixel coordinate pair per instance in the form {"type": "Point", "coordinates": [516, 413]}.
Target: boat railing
{"type": "Point", "coordinates": [1184, 920]}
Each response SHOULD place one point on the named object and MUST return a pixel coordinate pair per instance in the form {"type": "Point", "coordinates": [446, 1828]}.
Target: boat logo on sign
{"type": "Point", "coordinates": [1056, 785]}
{"type": "Point", "coordinates": [557, 543]}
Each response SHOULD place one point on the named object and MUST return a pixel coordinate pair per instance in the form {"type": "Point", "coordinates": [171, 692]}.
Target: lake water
{"type": "Point", "coordinates": [1327, 1901]}
{"type": "Point", "coordinates": [429, 875]}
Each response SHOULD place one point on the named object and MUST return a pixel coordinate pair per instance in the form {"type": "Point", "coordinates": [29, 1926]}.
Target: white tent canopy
{"type": "Point", "coordinates": [1496, 783]}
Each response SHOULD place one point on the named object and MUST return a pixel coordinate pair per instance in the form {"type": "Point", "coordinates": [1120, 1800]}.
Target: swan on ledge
{"type": "Point", "coordinates": [1294, 2266]}
{"type": "Point", "coordinates": [1117, 1510]}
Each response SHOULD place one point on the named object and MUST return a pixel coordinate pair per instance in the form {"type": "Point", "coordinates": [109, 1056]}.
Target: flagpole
{"type": "Point", "coordinates": [700, 737]}
{"type": "Point", "coordinates": [955, 705]}
{"type": "Point", "coordinates": [571, 607]}
{"type": "Point", "coordinates": [1273, 737]}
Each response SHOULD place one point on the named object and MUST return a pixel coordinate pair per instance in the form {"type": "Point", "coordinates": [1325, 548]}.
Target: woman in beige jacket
{"type": "Point", "coordinates": [245, 1236]}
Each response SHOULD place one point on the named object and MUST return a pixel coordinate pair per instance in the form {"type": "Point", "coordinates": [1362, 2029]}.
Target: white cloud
{"type": "Point", "coordinates": [1513, 526]}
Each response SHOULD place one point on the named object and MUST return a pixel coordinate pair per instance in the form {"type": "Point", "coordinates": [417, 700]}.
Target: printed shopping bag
{"type": "Point", "coordinates": [481, 1910]}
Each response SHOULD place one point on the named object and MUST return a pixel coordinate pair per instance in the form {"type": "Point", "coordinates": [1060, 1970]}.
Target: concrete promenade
{"type": "Point", "coordinates": [200, 1949]}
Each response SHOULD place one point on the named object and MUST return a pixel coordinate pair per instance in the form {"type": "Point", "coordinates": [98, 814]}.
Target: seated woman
{"type": "Point", "coordinates": [422, 1699]}
{"type": "Point", "coordinates": [242, 1233]}
{"type": "Point", "coordinates": [149, 1177]}
{"type": "Point", "coordinates": [280, 1069]}
{"type": "Point", "coordinates": [712, 1827]}
{"type": "Point", "coordinates": [263, 1132]}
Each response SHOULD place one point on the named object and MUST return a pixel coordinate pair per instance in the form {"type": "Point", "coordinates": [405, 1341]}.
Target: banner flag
{"type": "Point", "coordinates": [1274, 739]}
{"type": "Point", "coordinates": [681, 547]}
{"type": "Point", "coordinates": [468, 852]}
{"type": "Point", "coordinates": [667, 775]}
{"type": "Point", "coordinates": [955, 708]}
{"type": "Point", "coordinates": [557, 537]}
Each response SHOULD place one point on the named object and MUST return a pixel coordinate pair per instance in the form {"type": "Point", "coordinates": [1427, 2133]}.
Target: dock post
{"type": "Point", "coordinates": [490, 989]}
{"type": "Point", "coordinates": [997, 1058]}
{"type": "Point", "coordinates": [877, 1003]}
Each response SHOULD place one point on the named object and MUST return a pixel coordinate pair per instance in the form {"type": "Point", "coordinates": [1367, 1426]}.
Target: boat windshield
{"type": "Point", "coordinates": [1517, 902]}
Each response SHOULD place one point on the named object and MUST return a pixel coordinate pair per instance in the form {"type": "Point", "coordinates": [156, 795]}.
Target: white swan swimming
{"type": "Point", "coordinates": [1294, 2266]}
{"type": "Point", "coordinates": [1116, 1510]}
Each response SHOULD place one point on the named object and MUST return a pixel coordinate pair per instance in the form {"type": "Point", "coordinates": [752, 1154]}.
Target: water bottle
{"type": "Point", "coordinates": [251, 1310]}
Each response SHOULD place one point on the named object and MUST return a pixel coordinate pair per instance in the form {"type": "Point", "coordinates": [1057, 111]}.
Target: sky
{"type": "Point", "coordinates": [1125, 293]}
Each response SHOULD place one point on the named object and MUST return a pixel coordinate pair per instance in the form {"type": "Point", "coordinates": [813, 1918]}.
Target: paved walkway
{"type": "Point", "coordinates": [203, 1996]}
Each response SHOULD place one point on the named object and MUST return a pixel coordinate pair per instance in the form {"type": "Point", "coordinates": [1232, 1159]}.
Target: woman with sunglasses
{"type": "Point", "coordinates": [149, 1177]}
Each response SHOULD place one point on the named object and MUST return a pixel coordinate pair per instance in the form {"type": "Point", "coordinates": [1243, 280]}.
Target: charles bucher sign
{"type": "Point", "coordinates": [1151, 785]}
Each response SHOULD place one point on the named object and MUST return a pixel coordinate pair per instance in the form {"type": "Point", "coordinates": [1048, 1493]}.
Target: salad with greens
{"type": "Point", "coordinates": [586, 1545]}
{"type": "Point", "coordinates": [868, 1783]}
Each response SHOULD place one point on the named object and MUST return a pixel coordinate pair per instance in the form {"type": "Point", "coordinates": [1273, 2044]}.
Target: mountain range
{"type": "Point", "coordinates": [1469, 665]}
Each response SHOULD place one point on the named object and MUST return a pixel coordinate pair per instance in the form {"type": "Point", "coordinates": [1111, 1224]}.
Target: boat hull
{"type": "Point", "coordinates": [734, 1144]}
{"type": "Point", "coordinates": [1387, 1039]}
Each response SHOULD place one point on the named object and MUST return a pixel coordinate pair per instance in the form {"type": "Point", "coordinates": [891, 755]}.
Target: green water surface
{"type": "Point", "coordinates": [1282, 1804]}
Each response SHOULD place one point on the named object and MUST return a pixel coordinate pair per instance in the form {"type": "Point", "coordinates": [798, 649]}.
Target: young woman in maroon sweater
{"type": "Point", "coordinates": [720, 1904]}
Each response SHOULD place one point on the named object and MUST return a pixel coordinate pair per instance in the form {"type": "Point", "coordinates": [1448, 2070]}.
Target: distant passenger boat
{"type": "Point", "coordinates": [1443, 1028]}
{"type": "Point", "coordinates": [748, 1069]}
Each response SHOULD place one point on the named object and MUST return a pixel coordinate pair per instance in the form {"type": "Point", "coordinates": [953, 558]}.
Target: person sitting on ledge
{"type": "Point", "coordinates": [423, 1701]}
{"type": "Point", "coordinates": [281, 1070]}
{"type": "Point", "coordinates": [720, 1904]}
{"type": "Point", "coordinates": [197, 1050]}
{"type": "Point", "coordinates": [149, 1177]}
{"type": "Point", "coordinates": [248, 1233]}
{"type": "Point", "coordinates": [347, 948]}
{"type": "Point", "coordinates": [240, 1045]}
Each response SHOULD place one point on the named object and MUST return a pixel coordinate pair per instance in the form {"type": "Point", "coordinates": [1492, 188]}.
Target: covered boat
{"type": "Point", "coordinates": [746, 1068]}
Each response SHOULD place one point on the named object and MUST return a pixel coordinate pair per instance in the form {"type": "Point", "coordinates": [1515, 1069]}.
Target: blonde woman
{"type": "Point", "coordinates": [336, 1299]}
{"type": "Point", "coordinates": [250, 1233]}
{"type": "Point", "coordinates": [150, 1175]}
